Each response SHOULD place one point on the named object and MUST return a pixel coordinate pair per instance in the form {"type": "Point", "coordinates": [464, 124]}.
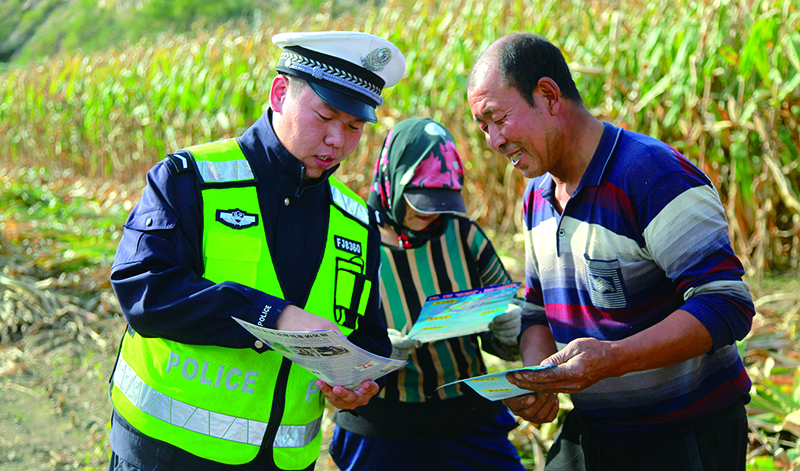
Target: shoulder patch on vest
{"type": "Point", "coordinates": [180, 162]}
{"type": "Point", "coordinates": [236, 218]}
{"type": "Point", "coordinates": [221, 163]}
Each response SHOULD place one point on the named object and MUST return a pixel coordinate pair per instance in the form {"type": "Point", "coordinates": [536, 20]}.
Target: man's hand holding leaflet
{"type": "Point", "coordinates": [496, 386]}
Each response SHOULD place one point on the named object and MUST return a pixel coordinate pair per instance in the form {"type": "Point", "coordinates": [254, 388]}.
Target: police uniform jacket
{"type": "Point", "coordinates": [157, 272]}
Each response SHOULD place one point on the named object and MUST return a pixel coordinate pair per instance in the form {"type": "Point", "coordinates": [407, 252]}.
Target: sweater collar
{"type": "Point", "coordinates": [593, 175]}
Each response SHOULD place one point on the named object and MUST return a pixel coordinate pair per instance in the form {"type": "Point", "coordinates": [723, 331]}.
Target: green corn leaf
{"type": "Point", "coordinates": [790, 42]}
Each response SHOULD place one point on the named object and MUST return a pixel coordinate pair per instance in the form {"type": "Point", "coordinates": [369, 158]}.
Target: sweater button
{"type": "Point", "coordinates": [286, 202]}
{"type": "Point", "coordinates": [259, 344]}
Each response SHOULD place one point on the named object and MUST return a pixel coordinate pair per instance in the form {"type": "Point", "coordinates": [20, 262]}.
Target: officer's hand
{"type": "Point", "coordinates": [402, 346]}
{"type": "Point", "coordinates": [537, 408]}
{"type": "Point", "coordinates": [505, 327]}
{"type": "Point", "coordinates": [294, 319]}
{"type": "Point", "coordinates": [343, 398]}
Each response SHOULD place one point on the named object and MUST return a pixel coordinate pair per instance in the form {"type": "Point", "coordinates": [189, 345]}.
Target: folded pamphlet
{"type": "Point", "coordinates": [449, 315]}
{"type": "Point", "coordinates": [495, 386]}
{"type": "Point", "coordinates": [326, 354]}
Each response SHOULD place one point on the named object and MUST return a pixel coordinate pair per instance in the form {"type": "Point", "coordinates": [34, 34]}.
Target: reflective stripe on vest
{"type": "Point", "coordinates": [206, 422]}
{"type": "Point", "coordinates": [347, 203]}
{"type": "Point", "coordinates": [215, 167]}
{"type": "Point", "coordinates": [220, 172]}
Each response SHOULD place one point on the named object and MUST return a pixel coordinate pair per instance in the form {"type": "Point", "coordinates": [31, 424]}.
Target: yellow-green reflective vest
{"type": "Point", "coordinates": [222, 403]}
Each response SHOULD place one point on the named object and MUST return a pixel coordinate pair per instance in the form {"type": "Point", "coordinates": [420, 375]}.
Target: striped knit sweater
{"type": "Point", "coordinates": [461, 258]}
{"type": "Point", "coordinates": [644, 234]}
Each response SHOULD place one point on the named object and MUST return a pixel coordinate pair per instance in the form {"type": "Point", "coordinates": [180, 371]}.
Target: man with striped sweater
{"type": "Point", "coordinates": [633, 290]}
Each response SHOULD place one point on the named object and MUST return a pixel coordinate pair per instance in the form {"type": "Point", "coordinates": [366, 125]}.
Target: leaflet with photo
{"type": "Point", "coordinates": [495, 386]}
{"type": "Point", "coordinates": [449, 315]}
{"type": "Point", "coordinates": [326, 354]}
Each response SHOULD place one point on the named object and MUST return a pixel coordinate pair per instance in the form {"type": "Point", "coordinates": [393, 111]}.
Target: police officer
{"type": "Point", "coordinates": [254, 228]}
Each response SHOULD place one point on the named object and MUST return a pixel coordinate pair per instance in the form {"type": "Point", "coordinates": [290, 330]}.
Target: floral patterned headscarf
{"type": "Point", "coordinates": [419, 163]}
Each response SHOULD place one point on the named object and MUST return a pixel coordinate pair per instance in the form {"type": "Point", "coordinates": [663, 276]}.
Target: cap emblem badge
{"type": "Point", "coordinates": [376, 59]}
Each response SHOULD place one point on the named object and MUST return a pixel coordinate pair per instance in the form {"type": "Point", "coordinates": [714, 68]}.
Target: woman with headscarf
{"type": "Point", "coordinates": [429, 247]}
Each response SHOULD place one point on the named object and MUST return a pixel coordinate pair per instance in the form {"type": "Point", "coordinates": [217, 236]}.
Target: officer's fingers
{"type": "Point", "coordinates": [367, 390]}
{"type": "Point", "coordinates": [370, 387]}
{"type": "Point", "coordinates": [351, 399]}
{"type": "Point", "coordinates": [344, 393]}
{"type": "Point", "coordinates": [324, 387]}
{"type": "Point", "coordinates": [338, 402]}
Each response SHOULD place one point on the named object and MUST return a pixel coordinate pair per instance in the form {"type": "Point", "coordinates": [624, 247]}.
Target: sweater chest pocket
{"type": "Point", "coordinates": [605, 284]}
{"type": "Point", "coordinates": [232, 257]}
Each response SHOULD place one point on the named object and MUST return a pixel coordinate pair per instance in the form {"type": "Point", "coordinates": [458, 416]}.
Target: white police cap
{"type": "Point", "coordinates": [346, 69]}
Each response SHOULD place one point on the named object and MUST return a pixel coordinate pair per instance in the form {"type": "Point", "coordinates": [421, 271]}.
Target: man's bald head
{"type": "Point", "coordinates": [487, 60]}
{"type": "Point", "coordinates": [522, 60]}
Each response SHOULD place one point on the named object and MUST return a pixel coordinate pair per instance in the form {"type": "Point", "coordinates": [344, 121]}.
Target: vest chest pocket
{"type": "Point", "coordinates": [232, 257]}
{"type": "Point", "coordinates": [351, 291]}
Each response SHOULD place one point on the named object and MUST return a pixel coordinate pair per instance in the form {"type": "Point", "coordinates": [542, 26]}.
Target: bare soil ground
{"type": "Point", "coordinates": [54, 405]}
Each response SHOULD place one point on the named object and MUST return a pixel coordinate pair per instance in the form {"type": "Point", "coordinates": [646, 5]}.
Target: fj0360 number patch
{"type": "Point", "coordinates": [349, 246]}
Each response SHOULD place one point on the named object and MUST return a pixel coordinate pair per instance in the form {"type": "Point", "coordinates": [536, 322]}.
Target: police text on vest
{"type": "Point", "coordinates": [228, 377]}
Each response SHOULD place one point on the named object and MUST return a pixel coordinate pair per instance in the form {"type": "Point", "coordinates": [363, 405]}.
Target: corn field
{"type": "Point", "coordinates": [719, 80]}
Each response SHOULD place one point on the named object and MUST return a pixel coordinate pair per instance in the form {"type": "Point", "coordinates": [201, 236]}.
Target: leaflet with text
{"type": "Point", "coordinates": [449, 315]}
{"type": "Point", "coordinates": [326, 354]}
{"type": "Point", "coordinates": [495, 386]}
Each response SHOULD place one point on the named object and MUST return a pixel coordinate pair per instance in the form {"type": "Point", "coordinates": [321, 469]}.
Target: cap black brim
{"type": "Point", "coordinates": [435, 200]}
{"type": "Point", "coordinates": [343, 102]}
